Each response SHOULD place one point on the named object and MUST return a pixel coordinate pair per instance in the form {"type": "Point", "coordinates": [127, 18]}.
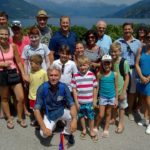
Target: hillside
{"type": "Point", "coordinates": [19, 8]}
{"type": "Point", "coordinates": [78, 8]}
{"type": "Point", "coordinates": [138, 10]}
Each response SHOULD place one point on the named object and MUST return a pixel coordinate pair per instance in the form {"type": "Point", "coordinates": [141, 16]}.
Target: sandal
{"type": "Point", "coordinates": [105, 134]}
{"type": "Point", "coordinates": [10, 124]}
{"type": "Point", "coordinates": [22, 123]}
{"type": "Point", "coordinates": [94, 138]}
{"type": "Point", "coordinates": [119, 130]}
{"type": "Point", "coordinates": [83, 135]}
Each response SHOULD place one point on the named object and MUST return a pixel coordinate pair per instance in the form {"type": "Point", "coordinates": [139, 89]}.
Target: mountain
{"type": "Point", "coordinates": [18, 8]}
{"type": "Point", "coordinates": [140, 9]}
{"type": "Point", "coordinates": [78, 8]}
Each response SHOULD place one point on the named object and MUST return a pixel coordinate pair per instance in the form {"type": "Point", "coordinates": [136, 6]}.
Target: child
{"type": "Point", "coordinates": [67, 66]}
{"type": "Point", "coordinates": [108, 92]}
{"type": "Point", "coordinates": [37, 77]}
{"type": "Point", "coordinates": [123, 80]}
{"type": "Point", "coordinates": [84, 87]}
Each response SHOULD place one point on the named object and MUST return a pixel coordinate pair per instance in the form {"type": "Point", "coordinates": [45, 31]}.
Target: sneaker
{"type": "Point", "coordinates": [143, 122]}
{"type": "Point", "coordinates": [70, 139]}
{"type": "Point", "coordinates": [131, 117]}
{"type": "Point", "coordinates": [148, 129]}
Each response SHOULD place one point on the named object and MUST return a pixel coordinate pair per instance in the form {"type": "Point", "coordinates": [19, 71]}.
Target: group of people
{"type": "Point", "coordinates": [65, 79]}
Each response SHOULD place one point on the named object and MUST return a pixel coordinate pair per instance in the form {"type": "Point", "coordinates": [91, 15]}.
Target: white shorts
{"type": "Point", "coordinates": [51, 124]}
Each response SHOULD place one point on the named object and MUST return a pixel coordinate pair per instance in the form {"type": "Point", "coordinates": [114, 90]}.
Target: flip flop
{"type": "Point", "coordinates": [94, 138]}
{"type": "Point", "coordinates": [119, 130]}
{"type": "Point", "coordinates": [105, 134]}
{"type": "Point", "coordinates": [22, 123]}
{"type": "Point", "coordinates": [83, 136]}
{"type": "Point", "coordinates": [10, 124]}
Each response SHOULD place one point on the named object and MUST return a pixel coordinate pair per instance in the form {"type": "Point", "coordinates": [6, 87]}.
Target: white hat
{"type": "Point", "coordinates": [16, 23]}
{"type": "Point", "coordinates": [106, 58]}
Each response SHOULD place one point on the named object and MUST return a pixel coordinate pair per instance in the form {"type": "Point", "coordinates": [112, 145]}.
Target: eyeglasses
{"type": "Point", "coordinates": [42, 19]}
{"type": "Point", "coordinates": [129, 50]}
{"type": "Point", "coordinates": [101, 28]}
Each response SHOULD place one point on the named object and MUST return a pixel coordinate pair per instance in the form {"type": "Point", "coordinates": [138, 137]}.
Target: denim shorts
{"type": "Point", "coordinates": [106, 101]}
{"type": "Point", "coordinates": [86, 110]}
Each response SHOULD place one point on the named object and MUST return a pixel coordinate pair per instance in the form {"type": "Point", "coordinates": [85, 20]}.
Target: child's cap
{"type": "Point", "coordinates": [106, 58]}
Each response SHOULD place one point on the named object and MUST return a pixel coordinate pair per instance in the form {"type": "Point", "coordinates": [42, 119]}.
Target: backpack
{"type": "Point", "coordinates": [45, 92]}
{"type": "Point", "coordinates": [122, 71]}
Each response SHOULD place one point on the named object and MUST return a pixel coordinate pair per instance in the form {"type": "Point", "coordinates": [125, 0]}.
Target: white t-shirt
{"type": "Point", "coordinates": [69, 69]}
{"type": "Point", "coordinates": [28, 51]}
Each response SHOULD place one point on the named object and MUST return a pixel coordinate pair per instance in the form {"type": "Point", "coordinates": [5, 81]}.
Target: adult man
{"type": "Point", "coordinates": [54, 96]}
{"type": "Point", "coordinates": [129, 48]}
{"type": "Point", "coordinates": [46, 32]}
{"type": "Point", "coordinates": [63, 36]}
{"type": "Point", "coordinates": [4, 21]}
{"type": "Point", "coordinates": [104, 41]}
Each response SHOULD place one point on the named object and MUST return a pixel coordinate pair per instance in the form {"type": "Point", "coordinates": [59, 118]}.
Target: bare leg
{"type": "Point", "coordinates": [83, 125]}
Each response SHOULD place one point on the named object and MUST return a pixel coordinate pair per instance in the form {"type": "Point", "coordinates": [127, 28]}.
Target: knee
{"type": "Point", "coordinates": [100, 115]}
{"type": "Point", "coordinates": [20, 99]}
{"type": "Point", "coordinates": [4, 99]}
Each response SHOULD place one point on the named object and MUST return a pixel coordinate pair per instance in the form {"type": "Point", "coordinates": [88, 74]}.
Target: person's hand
{"type": "Point", "coordinates": [122, 96]}
{"type": "Point", "coordinates": [144, 80]}
{"type": "Point", "coordinates": [47, 132]}
{"type": "Point", "coordinates": [78, 106]}
{"type": "Point", "coordinates": [73, 125]}
{"type": "Point", "coordinates": [115, 103]}
{"type": "Point", "coordinates": [26, 78]}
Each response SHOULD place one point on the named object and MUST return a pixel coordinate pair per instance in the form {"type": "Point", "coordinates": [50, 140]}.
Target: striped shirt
{"type": "Point", "coordinates": [84, 85]}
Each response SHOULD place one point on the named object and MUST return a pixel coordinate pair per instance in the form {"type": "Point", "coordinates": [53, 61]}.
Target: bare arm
{"type": "Point", "coordinates": [138, 69]}
{"type": "Point", "coordinates": [116, 89]}
{"type": "Point", "coordinates": [74, 90]}
{"type": "Point", "coordinates": [51, 57]}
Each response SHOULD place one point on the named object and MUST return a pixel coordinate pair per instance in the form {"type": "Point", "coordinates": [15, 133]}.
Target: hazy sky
{"type": "Point", "coordinates": [128, 2]}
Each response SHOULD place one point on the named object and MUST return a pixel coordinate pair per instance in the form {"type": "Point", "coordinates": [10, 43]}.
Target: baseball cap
{"type": "Point", "coordinates": [16, 23]}
{"type": "Point", "coordinates": [42, 13]}
{"type": "Point", "coordinates": [106, 58]}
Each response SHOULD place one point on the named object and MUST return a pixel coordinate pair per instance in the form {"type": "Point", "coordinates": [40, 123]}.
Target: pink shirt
{"type": "Point", "coordinates": [9, 57]}
{"type": "Point", "coordinates": [20, 45]}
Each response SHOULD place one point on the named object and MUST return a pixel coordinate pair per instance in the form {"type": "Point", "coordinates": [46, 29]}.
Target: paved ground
{"type": "Point", "coordinates": [133, 138]}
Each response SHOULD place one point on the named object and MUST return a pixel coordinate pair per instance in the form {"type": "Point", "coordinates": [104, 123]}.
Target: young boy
{"type": "Point", "coordinates": [123, 80]}
{"type": "Point", "coordinates": [84, 87]}
{"type": "Point", "coordinates": [67, 66]}
{"type": "Point", "coordinates": [37, 77]}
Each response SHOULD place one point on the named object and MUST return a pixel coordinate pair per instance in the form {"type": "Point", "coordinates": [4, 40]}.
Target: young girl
{"type": "Point", "coordinates": [108, 92]}
{"type": "Point", "coordinates": [37, 77]}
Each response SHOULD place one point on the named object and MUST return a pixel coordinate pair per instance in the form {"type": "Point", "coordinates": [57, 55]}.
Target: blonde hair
{"type": "Point", "coordinates": [82, 60]}
{"type": "Point", "coordinates": [36, 59]}
{"type": "Point", "coordinates": [115, 45]}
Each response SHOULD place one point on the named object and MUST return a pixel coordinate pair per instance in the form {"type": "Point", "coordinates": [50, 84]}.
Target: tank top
{"type": "Point", "coordinates": [107, 86]}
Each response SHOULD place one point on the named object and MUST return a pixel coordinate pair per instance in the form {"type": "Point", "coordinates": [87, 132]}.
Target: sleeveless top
{"type": "Point", "coordinates": [9, 57]}
{"type": "Point", "coordinates": [107, 86]}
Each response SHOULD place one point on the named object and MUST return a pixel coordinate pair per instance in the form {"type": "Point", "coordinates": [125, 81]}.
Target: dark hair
{"type": "Point", "coordinates": [3, 14]}
{"type": "Point", "coordinates": [36, 59]}
{"type": "Point", "coordinates": [91, 32]}
{"type": "Point", "coordinates": [34, 30]}
{"type": "Point", "coordinates": [5, 28]}
{"type": "Point", "coordinates": [64, 49]}
{"type": "Point", "coordinates": [126, 24]}
{"type": "Point", "coordinates": [141, 27]}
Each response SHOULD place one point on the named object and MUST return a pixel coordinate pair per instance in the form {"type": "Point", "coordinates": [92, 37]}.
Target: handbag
{"type": "Point", "coordinates": [12, 76]}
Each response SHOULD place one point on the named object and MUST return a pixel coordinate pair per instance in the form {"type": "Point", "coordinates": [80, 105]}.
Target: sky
{"type": "Point", "coordinates": [117, 2]}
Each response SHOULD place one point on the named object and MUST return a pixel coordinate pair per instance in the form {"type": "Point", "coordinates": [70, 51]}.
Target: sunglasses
{"type": "Point", "coordinates": [129, 50]}
{"type": "Point", "coordinates": [63, 68]}
{"type": "Point", "coordinates": [91, 37]}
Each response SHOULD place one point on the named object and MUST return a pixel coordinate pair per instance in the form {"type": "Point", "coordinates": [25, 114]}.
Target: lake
{"type": "Point", "coordinates": [87, 22]}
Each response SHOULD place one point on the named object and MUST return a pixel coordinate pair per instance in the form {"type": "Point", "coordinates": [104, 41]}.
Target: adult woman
{"type": "Point", "coordinates": [35, 47]}
{"type": "Point", "coordinates": [9, 53]}
{"type": "Point", "coordinates": [143, 70]}
{"type": "Point", "coordinates": [92, 50]}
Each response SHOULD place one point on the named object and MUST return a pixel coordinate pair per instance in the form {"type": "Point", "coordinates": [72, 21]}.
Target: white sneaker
{"type": "Point", "coordinates": [148, 129]}
{"type": "Point", "coordinates": [143, 122]}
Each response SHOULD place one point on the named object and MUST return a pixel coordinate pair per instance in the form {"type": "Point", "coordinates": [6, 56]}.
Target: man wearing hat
{"type": "Point", "coordinates": [46, 32]}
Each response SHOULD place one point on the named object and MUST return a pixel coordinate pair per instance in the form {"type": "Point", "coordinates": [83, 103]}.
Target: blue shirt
{"type": "Point", "coordinates": [107, 86]}
{"type": "Point", "coordinates": [59, 39]}
{"type": "Point", "coordinates": [129, 50]}
{"type": "Point", "coordinates": [104, 43]}
{"type": "Point", "coordinates": [54, 101]}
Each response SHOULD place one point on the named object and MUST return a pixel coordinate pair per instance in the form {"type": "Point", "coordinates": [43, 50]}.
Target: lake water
{"type": "Point", "coordinates": [87, 22]}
